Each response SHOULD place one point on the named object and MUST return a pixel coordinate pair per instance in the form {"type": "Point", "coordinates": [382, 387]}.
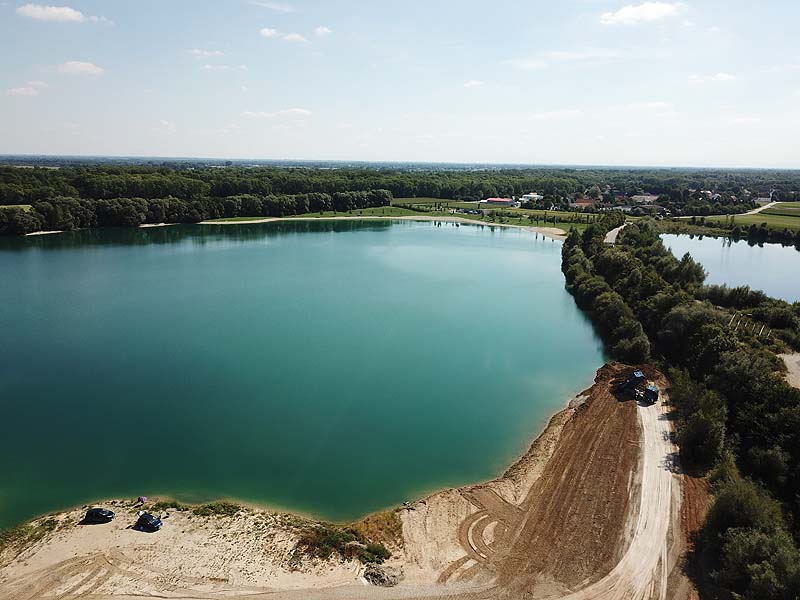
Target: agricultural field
{"type": "Point", "coordinates": [783, 216]}
{"type": "Point", "coordinates": [784, 209]}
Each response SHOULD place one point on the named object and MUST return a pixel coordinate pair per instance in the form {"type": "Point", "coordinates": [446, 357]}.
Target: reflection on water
{"type": "Point", "coordinates": [771, 268]}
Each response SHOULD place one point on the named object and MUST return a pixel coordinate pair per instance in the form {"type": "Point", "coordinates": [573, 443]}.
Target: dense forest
{"type": "Point", "coordinates": [737, 419]}
{"type": "Point", "coordinates": [77, 195]}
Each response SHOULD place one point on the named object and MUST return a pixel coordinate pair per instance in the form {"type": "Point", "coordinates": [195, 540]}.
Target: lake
{"type": "Point", "coordinates": [771, 268]}
{"type": "Point", "coordinates": [330, 368]}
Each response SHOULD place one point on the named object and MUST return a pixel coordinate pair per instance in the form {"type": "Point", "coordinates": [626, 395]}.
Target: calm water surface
{"type": "Point", "coordinates": [329, 368]}
{"type": "Point", "coordinates": [772, 268]}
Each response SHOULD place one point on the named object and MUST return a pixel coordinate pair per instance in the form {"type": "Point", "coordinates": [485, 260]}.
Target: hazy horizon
{"type": "Point", "coordinates": [578, 83]}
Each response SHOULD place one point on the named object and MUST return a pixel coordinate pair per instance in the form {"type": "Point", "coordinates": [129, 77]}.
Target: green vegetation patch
{"type": "Point", "coordinates": [26, 534]}
{"type": "Point", "coordinates": [25, 207]}
{"type": "Point", "coordinates": [163, 505]}
{"type": "Point", "coordinates": [217, 509]}
{"type": "Point", "coordinates": [324, 540]}
{"type": "Point", "coordinates": [771, 221]}
{"type": "Point", "coordinates": [385, 527]}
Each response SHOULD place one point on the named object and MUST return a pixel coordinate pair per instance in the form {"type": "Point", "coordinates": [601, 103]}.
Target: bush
{"type": "Point", "coordinates": [217, 509]}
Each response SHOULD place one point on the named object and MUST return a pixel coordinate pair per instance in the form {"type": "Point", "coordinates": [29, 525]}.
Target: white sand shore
{"type": "Point", "coordinates": [549, 232]}
{"type": "Point", "coordinates": [43, 233]}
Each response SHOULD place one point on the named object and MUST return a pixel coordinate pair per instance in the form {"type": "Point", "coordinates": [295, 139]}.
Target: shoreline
{"type": "Point", "coordinates": [458, 539]}
{"type": "Point", "coordinates": [554, 233]}
{"type": "Point", "coordinates": [573, 402]}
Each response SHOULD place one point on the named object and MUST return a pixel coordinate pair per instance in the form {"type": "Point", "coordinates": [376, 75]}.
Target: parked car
{"type": "Point", "coordinates": [98, 515]}
{"type": "Point", "coordinates": [148, 522]}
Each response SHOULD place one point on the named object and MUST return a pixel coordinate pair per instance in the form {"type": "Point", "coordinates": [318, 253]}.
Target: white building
{"type": "Point", "coordinates": [531, 197]}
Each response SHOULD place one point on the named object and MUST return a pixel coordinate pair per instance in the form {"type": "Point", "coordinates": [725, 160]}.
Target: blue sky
{"type": "Point", "coordinates": [695, 83]}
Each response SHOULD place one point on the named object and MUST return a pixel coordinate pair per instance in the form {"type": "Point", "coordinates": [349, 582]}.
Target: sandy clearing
{"type": "Point", "coordinates": [793, 365]}
{"type": "Point", "coordinates": [43, 233]}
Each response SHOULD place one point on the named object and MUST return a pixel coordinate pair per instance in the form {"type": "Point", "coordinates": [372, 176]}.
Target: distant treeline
{"type": "Point", "coordinates": [736, 416]}
{"type": "Point", "coordinates": [184, 181]}
{"type": "Point", "coordinates": [62, 213]}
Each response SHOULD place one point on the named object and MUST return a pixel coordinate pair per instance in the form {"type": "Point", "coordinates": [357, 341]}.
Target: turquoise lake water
{"type": "Point", "coordinates": [331, 368]}
{"type": "Point", "coordinates": [771, 268]}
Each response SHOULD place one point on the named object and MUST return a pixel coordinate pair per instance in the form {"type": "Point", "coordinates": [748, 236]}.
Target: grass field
{"type": "Point", "coordinates": [784, 209]}
{"type": "Point", "coordinates": [773, 221]}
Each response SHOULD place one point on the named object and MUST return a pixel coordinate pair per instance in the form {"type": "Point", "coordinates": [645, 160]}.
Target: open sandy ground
{"type": "Point", "coordinates": [592, 510]}
{"type": "Point", "coordinates": [793, 365]}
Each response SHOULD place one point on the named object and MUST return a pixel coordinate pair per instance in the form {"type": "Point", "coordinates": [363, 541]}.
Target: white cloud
{"type": "Point", "coordinates": [165, 126]}
{"type": "Point", "coordinates": [224, 67]}
{"type": "Point", "coordinates": [556, 114]}
{"type": "Point", "coordinates": [62, 14]}
{"type": "Point", "coordinates": [688, 23]}
{"type": "Point", "coordinates": [40, 12]}
{"type": "Point", "coordinates": [649, 106]}
{"type": "Point", "coordinates": [77, 67]}
{"type": "Point", "coordinates": [288, 112]}
{"type": "Point", "coordinates": [199, 53]}
{"type": "Point", "coordinates": [268, 32]}
{"type": "Point", "coordinates": [23, 91]}
{"type": "Point", "coordinates": [745, 121]}
{"type": "Point", "coordinates": [280, 7]}
{"type": "Point", "coordinates": [580, 56]}
{"type": "Point", "coordinates": [322, 30]}
{"type": "Point", "coordinates": [244, 88]}
{"type": "Point", "coordinates": [635, 14]}
{"type": "Point", "coordinates": [719, 77]}
{"type": "Point", "coordinates": [714, 29]}
{"type": "Point", "coordinates": [473, 83]}
{"type": "Point", "coordinates": [295, 37]}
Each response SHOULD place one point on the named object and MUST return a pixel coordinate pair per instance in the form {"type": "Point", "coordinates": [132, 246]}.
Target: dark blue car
{"type": "Point", "coordinates": [98, 515]}
{"type": "Point", "coordinates": [148, 522]}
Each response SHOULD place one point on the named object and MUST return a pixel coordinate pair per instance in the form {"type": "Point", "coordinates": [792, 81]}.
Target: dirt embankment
{"type": "Point", "coordinates": [592, 510]}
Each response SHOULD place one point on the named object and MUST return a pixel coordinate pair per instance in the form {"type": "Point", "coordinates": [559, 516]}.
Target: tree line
{"type": "Point", "coordinates": [737, 419]}
{"type": "Point", "coordinates": [67, 214]}
{"type": "Point", "coordinates": [678, 189]}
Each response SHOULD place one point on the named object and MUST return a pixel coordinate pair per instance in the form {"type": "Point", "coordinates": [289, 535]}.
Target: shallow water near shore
{"type": "Point", "coordinates": [771, 268]}
{"type": "Point", "coordinates": [331, 368]}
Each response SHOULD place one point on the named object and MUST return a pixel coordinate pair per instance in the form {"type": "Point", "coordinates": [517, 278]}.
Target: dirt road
{"type": "Point", "coordinates": [611, 236]}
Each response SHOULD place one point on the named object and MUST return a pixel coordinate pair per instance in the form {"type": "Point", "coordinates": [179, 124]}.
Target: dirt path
{"type": "Point", "coordinates": [611, 236]}
{"type": "Point", "coordinates": [758, 209]}
{"type": "Point", "coordinates": [793, 365]}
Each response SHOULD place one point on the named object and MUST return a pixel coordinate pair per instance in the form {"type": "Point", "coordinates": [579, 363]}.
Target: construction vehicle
{"type": "Point", "coordinates": [632, 383]}
{"type": "Point", "coordinates": [638, 386]}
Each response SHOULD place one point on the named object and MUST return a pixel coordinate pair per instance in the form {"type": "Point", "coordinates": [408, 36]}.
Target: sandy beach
{"type": "Point", "coordinates": [550, 232]}
{"type": "Point", "coordinates": [588, 506]}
